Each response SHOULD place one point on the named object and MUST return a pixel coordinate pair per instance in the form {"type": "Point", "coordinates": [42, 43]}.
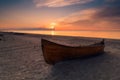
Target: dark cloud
{"type": "Point", "coordinates": [108, 12]}
{"type": "Point", "coordinates": [112, 1]}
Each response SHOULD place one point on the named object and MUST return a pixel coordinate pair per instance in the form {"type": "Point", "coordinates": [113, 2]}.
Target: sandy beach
{"type": "Point", "coordinates": [21, 58]}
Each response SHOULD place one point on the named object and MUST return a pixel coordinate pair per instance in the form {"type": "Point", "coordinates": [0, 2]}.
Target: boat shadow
{"type": "Point", "coordinates": [100, 67]}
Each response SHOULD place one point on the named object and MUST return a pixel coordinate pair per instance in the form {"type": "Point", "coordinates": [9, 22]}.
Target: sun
{"type": "Point", "coordinates": [52, 25]}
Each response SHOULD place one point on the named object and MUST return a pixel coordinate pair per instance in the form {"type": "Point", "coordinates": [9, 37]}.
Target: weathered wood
{"type": "Point", "coordinates": [54, 52]}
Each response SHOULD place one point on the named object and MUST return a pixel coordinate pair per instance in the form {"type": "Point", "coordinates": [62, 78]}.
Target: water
{"type": "Point", "coordinates": [97, 34]}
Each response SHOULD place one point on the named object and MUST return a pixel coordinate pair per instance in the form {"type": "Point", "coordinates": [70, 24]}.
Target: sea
{"type": "Point", "coordinates": [115, 34]}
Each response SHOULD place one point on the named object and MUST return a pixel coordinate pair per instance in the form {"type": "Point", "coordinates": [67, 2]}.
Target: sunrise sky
{"type": "Point", "coordinates": [61, 14]}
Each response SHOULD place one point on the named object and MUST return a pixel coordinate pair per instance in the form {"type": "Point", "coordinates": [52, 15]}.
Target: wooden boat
{"type": "Point", "coordinates": [54, 52]}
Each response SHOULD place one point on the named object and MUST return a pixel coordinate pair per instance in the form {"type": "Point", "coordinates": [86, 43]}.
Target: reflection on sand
{"type": "Point", "coordinates": [52, 32]}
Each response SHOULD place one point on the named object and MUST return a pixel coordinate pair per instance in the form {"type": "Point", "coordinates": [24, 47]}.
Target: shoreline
{"type": "Point", "coordinates": [37, 35]}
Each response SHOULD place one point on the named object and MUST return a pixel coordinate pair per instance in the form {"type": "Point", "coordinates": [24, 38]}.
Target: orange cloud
{"type": "Point", "coordinates": [59, 3]}
{"type": "Point", "coordinates": [90, 19]}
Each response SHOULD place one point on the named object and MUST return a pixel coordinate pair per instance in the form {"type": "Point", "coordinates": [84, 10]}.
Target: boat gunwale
{"type": "Point", "coordinates": [91, 45]}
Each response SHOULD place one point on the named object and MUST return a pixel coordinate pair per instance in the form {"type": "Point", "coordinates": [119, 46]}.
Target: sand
{"type": "Point", "coordinates": [21, 58]}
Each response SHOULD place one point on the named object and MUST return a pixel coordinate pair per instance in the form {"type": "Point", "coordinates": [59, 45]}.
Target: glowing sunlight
{"type": "Point", "coordinates": [52, 25]}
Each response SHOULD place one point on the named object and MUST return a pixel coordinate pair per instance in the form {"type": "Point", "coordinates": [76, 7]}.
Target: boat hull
{"type": "Point", "coordinates": [54, 53]}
